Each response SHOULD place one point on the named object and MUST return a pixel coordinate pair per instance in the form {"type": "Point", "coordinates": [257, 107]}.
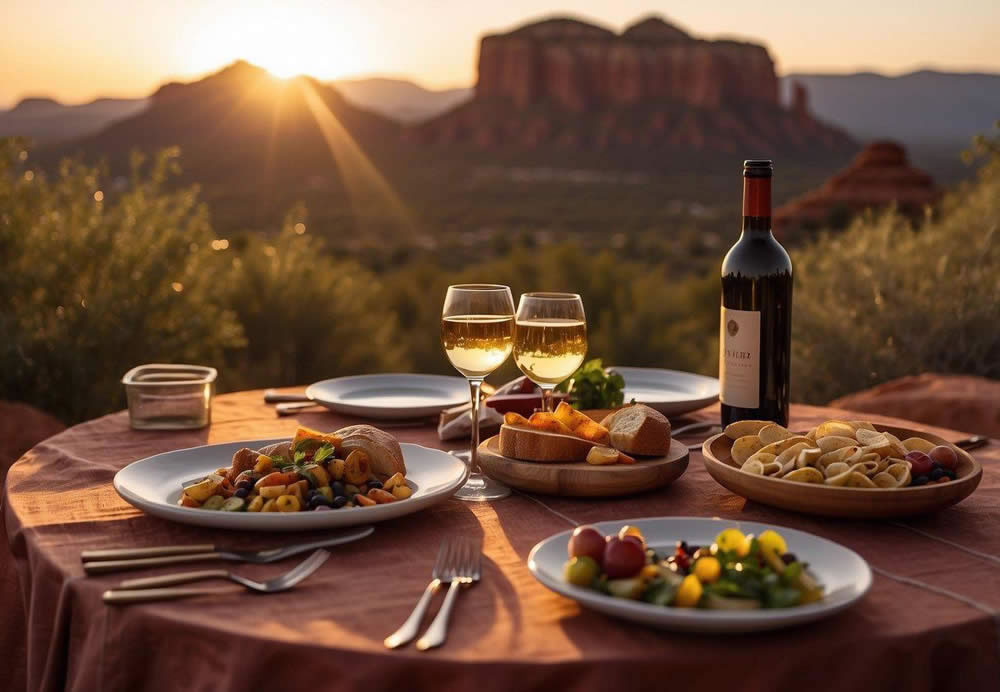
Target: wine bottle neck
{"type": "Point", "coordinates": [757, 204]}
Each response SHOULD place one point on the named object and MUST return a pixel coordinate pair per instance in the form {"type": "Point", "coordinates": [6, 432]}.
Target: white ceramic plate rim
{"type": "Point", "coordinates": [319, 392]}
{"type": "Point", "coordinates": [424, 496]}
{"type": "Point", "coordinates": [698, 619]}
{"type": "Point", "coordinates": [697, 391]}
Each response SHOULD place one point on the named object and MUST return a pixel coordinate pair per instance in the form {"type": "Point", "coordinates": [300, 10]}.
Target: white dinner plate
{"type": "Point", "coordinates": [154, 485]}
{"type": "Point", "coordinates": [390, 396]}
{"type": "Point", "coordinates": [671, 392]}
{"type": "Point", "coordinates": [844, 574]}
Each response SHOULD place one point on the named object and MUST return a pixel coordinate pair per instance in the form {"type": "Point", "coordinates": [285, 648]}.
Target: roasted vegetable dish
{"type": "Point", "coordinates": [357, 467]}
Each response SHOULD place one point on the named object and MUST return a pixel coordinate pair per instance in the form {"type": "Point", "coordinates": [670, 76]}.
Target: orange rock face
{"type": "Point", "coordinates": [958, 402]}
{"type": "Point", "coordinates": [878, 176]}
{"type": "Point", "coordinates": [653, 85]}
{"type": "Point", "coordinates": [21, 428]}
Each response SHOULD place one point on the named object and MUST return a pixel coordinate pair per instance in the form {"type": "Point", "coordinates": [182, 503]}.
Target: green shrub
{"type": "Point", "coordinates": [885, 299]}
{"type": "Point", "coordinates": [96, 281]}
{"type": "Point", "coordinates": [306, 314]}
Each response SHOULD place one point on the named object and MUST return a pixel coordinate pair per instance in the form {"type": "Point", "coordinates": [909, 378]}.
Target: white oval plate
{"type": "Point", "coordinates": [671, 392]}
{"type": "Point", "coordinates": [843, 572]}
{"type": "Point", "coordinates": [154, 485]}
{"type": "Point", "coordinates": [390, 396]}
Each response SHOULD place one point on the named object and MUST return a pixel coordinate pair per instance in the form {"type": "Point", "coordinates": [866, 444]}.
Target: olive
{"type": "Point", "coordinates": [244, 483]}
{"type": "Point", "coordinates": [242, 492]}
{"type": "Point", "coordinates": [338, 489]}
{"type": "Point", "coordinates": [339, 501]}
{"type": "Point", "coordinates": [317, 500]}
{"type": "Point", "coordinates": [374, 484]}
{"type": "Point", "coordinates": [789, 558]}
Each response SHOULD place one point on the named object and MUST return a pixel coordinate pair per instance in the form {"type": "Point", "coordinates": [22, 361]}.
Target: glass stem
{"type": "Point", "coordinates": [547, 399]}
{"type": "Point", "coordinates": [474, 387]}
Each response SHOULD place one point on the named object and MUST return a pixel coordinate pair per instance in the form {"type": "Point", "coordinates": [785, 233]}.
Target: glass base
{"type": "Point", "coordinates": [480, 488]}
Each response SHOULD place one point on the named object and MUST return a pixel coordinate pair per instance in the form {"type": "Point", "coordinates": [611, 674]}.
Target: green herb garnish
{"type": "Point", "coordinates": [593, 388]}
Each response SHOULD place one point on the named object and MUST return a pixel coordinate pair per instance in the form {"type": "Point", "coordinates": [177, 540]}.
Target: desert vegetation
{"type": "Point", "coordinates": [103, 273]}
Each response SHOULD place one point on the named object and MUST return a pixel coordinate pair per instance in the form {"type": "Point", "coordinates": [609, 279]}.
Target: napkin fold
{"type": "Point", "coordinates": [456, 422]}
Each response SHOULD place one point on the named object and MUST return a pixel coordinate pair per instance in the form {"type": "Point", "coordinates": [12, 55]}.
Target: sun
{"type": "Point", "coordinates": [283, 41]}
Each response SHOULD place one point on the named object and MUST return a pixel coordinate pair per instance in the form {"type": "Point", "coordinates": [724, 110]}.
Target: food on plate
{"type": "Point", "coordinates": [639, 429]}
{"type": "Point", "coordinates": [847, 454]}
{"type": "Point", "coordinates": [567, 435]}
{"type": "Point", "coordinates": [735, 572]}
{"type": "Point", "coordinates": [358, 466]}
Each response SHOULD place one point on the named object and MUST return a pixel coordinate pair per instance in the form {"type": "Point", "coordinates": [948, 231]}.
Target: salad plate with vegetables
{"type": "Point", "coordinates": [701, 575]}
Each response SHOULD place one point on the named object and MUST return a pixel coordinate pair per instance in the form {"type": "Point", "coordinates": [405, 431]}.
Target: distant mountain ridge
{"type": "Point", "coordinates": [400, 99]}
{"type": "Point", "coordinates": [934, 114]}
{"type": "Point", "coordinates": [46, 120]}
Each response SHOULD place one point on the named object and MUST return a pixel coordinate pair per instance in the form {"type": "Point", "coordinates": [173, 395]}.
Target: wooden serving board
{"type": "Point", "coordinates": [833, 501]}
{"type": "Point", "coordinates": [581, 479]}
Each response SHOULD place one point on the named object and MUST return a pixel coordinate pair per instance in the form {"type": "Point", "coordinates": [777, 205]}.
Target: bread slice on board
{"type": "Point", "coordinates": [528, 444]}
{"type": "Point", "coordinates": [639, 429]}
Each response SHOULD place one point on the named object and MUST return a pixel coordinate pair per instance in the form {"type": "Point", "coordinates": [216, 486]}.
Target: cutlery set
{"type": "Point", "coordinates": [457, 565]}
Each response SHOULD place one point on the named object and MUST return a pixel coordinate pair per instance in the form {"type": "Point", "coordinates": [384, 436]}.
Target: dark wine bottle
{"type": "Point", "coordinates": [756, 325]}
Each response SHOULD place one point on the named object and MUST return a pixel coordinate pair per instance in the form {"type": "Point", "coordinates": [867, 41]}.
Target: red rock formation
{"type": "Point", "coordinates": [652, 85]}
{"type": "Point", "coordinates": [957, 402]}
{"type": "Point", "coordinates": [878, 176]}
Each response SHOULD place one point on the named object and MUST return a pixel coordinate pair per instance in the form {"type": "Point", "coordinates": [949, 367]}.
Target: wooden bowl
{"type": "Point", "coordinates": [833, 501]}
{"type": "Point", "coordinates": [581, 479]}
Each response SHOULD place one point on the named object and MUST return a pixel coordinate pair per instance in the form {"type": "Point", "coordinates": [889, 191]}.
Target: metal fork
{"type": "Point", "coordinates": [442, 567]}
{"type": "Point", "coordinates": [139, 590]}
{"type": "Point", "coordinates": [464, 570]}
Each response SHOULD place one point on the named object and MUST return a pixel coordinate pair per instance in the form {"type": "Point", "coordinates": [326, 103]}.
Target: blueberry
{"type": "Point", "coordinates": [242, 492]}
{"type": "Point", "coordinates": [920, 480]}
{"type": "Point", "coordinates": [936, 473]}
{"type": "Point", "coordinates": [339, 501]}
{"type": "Point", "coordinates": [338, 489]}
{"type": "Point", "coordinates": [951, 474]}
{"type": "Point", "coordinates": [374, 484]}
{"type": "Point", "coordinates": [310, 495]}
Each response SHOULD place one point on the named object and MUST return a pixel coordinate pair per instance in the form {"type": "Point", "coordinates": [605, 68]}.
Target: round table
{"type": "Point", "coordinates": [930, 620]}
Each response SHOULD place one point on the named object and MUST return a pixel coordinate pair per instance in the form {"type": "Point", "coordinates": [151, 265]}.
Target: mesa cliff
{"type": "Point", "coordinates": [567, 83]}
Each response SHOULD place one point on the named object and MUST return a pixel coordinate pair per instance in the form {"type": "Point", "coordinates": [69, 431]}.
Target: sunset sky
{"type": "Point", "coordinates": [74, 50]}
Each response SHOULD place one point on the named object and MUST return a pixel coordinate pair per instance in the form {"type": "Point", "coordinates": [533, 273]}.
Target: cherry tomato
{"type": "Point", "coordinates": [623, 558]}
{"type": "Point", "coordinates": [587, 541]}
{"type": "Point", "coordinates": [920, 463]}
{"type": "Point", "coordinates": [945, 456]}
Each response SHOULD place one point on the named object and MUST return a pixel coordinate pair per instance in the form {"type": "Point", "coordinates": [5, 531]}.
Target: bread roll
{"type": "Point", "coordinates": [639, 429]}
{"type": "Point", "coordinates": [382, 448]}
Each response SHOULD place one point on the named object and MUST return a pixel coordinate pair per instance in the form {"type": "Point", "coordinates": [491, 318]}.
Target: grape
{"type": "Point", "coordinates": [920, 463]}
{"type": "Point", "coordinates": [623, 558]}
{"type": "Point", "coordinates": [945, 456]}
{"type": "Point", "coordinates": [586, 540]}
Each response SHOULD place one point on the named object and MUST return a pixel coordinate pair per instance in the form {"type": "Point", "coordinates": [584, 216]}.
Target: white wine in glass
{"type": "Point", "coordinates": [550, 339]}
{"type": "Point", "coordinates": [477, 344]}
{"type": "Point", "coordinates": [477, 332]}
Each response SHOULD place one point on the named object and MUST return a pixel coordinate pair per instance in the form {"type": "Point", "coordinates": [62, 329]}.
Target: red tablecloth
{"type": "Point", "coordinates": [930, 620]}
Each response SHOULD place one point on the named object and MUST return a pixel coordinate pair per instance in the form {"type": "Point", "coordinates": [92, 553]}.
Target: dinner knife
{"type": "Point", "coordinates": [117, 559]}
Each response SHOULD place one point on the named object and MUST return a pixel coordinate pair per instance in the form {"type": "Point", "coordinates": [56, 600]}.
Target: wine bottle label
{"type": "Point", "coordinates": [739, 358]}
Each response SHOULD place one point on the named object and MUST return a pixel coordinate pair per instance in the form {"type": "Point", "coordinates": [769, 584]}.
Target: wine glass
{"type": "Point", "coordinates": [550, 339]}
{"type": "Point", "coordinates": [477, 331]}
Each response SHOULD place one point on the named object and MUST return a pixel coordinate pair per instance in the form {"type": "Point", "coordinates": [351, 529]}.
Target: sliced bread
{"type": "Point", "coordinates": [639, 429]}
